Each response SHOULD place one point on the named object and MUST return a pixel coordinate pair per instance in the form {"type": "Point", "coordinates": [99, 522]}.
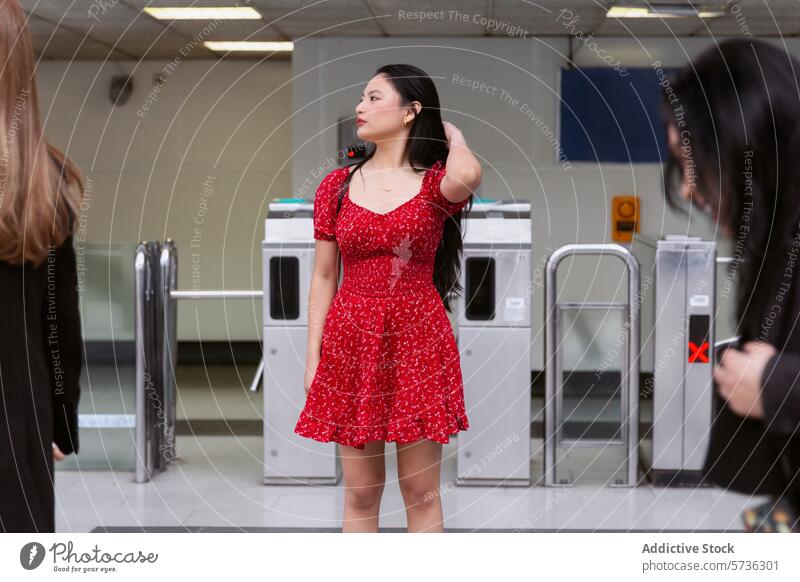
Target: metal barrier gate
{"type": "Point", "coordinates": [156, 297]}
{"type": "Point", "coordinates": [629, 402]}
{"type": "Point", "coordinates": [154, 417]}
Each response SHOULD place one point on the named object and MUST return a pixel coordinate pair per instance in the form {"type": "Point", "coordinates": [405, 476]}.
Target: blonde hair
{"type": "Point", "coordinates": [40, 188]}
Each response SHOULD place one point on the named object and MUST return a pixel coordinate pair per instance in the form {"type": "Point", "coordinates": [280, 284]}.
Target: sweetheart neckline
{"type": "Point", "coordinates": [417, 195]}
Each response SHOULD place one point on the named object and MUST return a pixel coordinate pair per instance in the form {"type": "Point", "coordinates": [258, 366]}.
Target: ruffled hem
{"type": "Point", "coordinates": [407, 431]}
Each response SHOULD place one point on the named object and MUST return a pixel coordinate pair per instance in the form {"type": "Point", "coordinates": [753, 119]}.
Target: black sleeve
{"type": "Point", "coordinates": [780, 393]}
{"type": "Point", "coordinates": [63, 343]}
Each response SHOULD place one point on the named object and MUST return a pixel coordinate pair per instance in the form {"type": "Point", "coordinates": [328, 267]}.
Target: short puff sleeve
{"type": "Point", "coordinates": [325, 206]}
{"type": "Point", "coordinates": [438, 171]}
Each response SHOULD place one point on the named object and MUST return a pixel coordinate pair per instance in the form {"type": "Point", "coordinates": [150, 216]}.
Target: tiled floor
{"type": "Point", "coordinates": [217, 480]}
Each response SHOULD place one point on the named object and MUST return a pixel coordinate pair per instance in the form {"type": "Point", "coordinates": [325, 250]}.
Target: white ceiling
{"type": "Point", "coordinates": [118, 29]}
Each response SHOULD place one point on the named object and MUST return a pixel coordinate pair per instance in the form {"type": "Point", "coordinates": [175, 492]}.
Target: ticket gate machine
{"type": "Point", "coordinates": [684, 358]}
{"type": "Point", "coordinates": [288, 260]}
{"type": "Point", "coordinates": [494, 338]}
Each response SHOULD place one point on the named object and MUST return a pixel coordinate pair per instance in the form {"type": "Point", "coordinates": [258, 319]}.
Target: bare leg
{"type": "Point", "coordinates": [364, 477]}
{"type": "Point", "coordinates": [418, 470]}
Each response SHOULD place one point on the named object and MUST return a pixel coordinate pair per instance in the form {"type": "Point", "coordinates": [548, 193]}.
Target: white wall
{"type": "Point", "coordinates": [211, 148]}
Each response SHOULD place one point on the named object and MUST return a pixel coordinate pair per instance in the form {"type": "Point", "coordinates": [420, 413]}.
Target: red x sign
{"type": "Point", "coordinates": [698, 354]}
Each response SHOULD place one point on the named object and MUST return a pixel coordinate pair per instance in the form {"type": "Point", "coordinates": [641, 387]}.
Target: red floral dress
{"type": "Point", "coordinates": [389, 367]}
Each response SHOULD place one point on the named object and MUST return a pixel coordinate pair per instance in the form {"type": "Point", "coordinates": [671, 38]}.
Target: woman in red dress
{"type": "Point", "coordinates": [382, 362]}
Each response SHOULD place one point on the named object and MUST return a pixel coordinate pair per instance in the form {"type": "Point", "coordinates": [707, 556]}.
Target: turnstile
{"type": "Point", "coordinates": [156, 303]}
{"type": "Point", "coordinates": [288, 259]}
{"type": "Point", "coordinates": [567, 452]}
{"type": "Point", "coordinates": [494, 338]}
{"type": "Point", "coordinates": [155, 268]}
{"type": "Point", "coordinates": [683, 359]}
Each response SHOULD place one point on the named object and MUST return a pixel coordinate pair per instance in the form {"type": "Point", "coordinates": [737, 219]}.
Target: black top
{"type": "Point", "coordinates": [781, 388]}
{"type": "Point", "coordinates": [41, 354]}
{"type": "Point", "coordinates": [780, 395]}
{"type": "Point", "coordinates": [762, 456]}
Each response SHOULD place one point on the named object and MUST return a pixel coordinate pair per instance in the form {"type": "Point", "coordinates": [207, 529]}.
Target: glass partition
{"type": "Point", "coordinates": [106, 414]}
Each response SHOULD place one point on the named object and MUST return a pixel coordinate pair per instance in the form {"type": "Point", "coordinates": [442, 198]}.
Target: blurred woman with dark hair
{"type": "Point", "coordinates": [733, 126]}
{"type": "Point", "coordinates": [40, 339]}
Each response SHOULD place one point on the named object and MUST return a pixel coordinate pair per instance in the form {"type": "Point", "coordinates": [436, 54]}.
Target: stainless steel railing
{"type": "Point", "coordinates": [630, 371]}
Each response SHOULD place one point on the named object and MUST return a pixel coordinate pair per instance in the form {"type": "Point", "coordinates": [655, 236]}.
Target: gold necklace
{"type": "Point", "coordinates": [389, 188]}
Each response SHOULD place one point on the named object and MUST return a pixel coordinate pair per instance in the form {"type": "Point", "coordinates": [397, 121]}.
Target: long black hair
{"type": "Point", "coordinates": [737, 110]}
{"type": "Point", "coordinates": [426, 144]}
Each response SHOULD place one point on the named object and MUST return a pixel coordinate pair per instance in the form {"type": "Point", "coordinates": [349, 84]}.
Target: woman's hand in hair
{"type": "Point", "coordinates": [463, 171]}
{"type": "Point", "coordinates": [450, 130]}
{"type": "Point", "coordinates": [738, 377]}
